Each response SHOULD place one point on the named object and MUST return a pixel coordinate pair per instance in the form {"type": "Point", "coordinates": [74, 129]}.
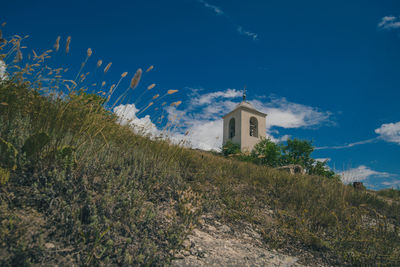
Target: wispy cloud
{"type": "Point", "coordinates": [395, 183]}
{"type": "Point", "coordinates": [389, 23]}
{"type": "Point", "coordinates": [247, 33]}
{"type": "Point", "coordinates": [2, 70]}
{"type": "Point", "coordinates": [348, 145]}
{"type": "Point", "coordinates": [323, 159]}
{"type": "Point", "coordinates": [217, 10]}
{"type": "Point", "coordinates": [202, 117]}
{"type": "Point", "coordinates": [389, 132]}
{"type": "Point", "coordinates": [361, 173]}
{"type": "Point", "coordinates": [286, 114]}
{"type": "Point", "coordinates": [200, 121]}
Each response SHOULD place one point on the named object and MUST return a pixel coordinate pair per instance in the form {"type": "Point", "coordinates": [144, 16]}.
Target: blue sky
{"type": "Point", "coordinates": [323, 71]}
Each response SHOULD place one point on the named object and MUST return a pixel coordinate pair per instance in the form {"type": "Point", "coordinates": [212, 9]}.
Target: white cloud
{"type": "Point", "coordinates": [389, 22]}
{"type": "Point", "coordinates": [389, 132]}
{"type": "Point", "coordinates": [3, 74]}
{"type": "Point", "coordinates": [216, 9]}
{"type": "Point", "coordinates": [392, 183]}
{"type": "Point", "coordinates": [323, 159]}
{"type": "Point", "coordinates": [202, 117]}
{"type": "Point", "coordinates": [127, 116]}
{"type": "Point", "coordinates": [285, 114]}
{"type": "Point", "coordinates": [361, 173]}
{"type": "Point", "coordinates": [207, 98]}
{"type": "Point", "coordinates": [202, 122]}
{"type": "Point", "coordinates": [247, 33]}
{"type": "Point", "coordinates": [348, 145]}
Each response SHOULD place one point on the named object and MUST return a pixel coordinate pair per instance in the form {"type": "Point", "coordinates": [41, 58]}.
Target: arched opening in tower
{"type": "Point", "coordinates": [253, 127]}
{"type": "Point", "coordinates": [231, 128]}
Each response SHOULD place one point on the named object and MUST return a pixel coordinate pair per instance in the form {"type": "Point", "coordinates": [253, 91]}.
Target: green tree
{"type": "Point", "coordinates": [298, 151]}
{"type": "Point", "coordinates": [321, 168]}
{"type": "Point", "coordinates": [230, 148]}
{"type": "Point", "coordinates": [267, 153]}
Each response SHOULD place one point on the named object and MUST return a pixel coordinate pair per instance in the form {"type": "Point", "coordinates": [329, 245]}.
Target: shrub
{"type": "Point", "coordinates": [230, 148]}
{"type": "Point", "coordinates": [267, 153]}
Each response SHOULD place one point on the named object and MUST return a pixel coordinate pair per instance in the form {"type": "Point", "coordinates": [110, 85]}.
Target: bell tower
{"type": "Point", "coordinates": [244, 125]}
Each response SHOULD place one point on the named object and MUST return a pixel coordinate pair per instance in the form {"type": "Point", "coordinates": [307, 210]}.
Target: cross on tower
{"type": "Point", "coordinates": [244, 93]}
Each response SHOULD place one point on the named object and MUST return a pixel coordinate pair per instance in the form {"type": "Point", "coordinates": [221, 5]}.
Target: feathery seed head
{"type": "Point", "coordinates": [170, 92]}
{"type": "Point", "coordinates": [136, 78]}
{"type": "Point", "coordinates": [150, 68]}
{"type": "Point", "coordinates": [89, 52]}
{"type": "Point", "coordinates": [124, 74]}
{"type": "Point", "coordinates": [151, 86]}
{"type": "Point", "coordinates": [67, 44]}
{"type": "Point", "coordinates": [99, 62]}
{"type": "Point", "coordinates": [175, 104]}
{"type": "Point", "coordinates": [57, 44]}
{"type": "Point", "coordinates": [107, 67]}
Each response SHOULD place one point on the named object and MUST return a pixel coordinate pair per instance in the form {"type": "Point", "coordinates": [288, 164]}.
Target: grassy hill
{"type": "Point", "coordinates": [78, 188]}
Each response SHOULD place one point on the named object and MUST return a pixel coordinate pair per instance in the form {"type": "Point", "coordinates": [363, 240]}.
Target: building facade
{"type": "Point", "coordinates": [244, 126]}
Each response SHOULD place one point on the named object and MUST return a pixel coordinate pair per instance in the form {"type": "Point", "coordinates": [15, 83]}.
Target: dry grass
{"type": "Point", "coordinates": [91, 192]}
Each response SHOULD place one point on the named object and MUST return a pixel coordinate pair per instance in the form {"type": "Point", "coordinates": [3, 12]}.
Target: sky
{"type": "Point", "coordinates": [325, 71]}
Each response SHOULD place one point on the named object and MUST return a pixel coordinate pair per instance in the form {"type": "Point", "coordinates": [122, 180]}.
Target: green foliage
{"type": "Point", "coordinates": [8, 155]}
{"type": "Point", "coordinates": [35, 143]}
{"type": "Point", "coordinates": [267, 153]}
{"type": "Point", "coordinates": [230, 148]}
{"type": "Point", "coordinates": [274, 155]}
{"type": "Point", "coordinates": [298, 152]}
{"type": "Point", "coordinates": [390, 193]}
{"type": "Point", "coordinates": [4, 176]}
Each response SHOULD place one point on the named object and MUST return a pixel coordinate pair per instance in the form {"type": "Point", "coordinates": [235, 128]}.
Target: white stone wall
{"type": "Point", "coordinates": [248, 142]}
{"type": "Point", "coordinates": [242, 136]}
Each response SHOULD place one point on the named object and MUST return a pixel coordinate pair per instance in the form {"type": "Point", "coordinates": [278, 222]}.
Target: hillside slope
{"type": "Point", "coordinates": [79, 189]}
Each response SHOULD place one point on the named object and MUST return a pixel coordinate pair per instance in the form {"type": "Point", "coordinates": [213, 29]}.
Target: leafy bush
{"type": "Point", "coordinates": [298, 152]}
{"type": "Point", "coordinates": [230, 148]}
{"type": "Point", "coordinates": [270, 154]}
{"type": "Point", "coordinates": [267, 153]}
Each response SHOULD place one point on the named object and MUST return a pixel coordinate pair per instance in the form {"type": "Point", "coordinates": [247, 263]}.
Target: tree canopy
{"type": "Point", "coordinates": [293, 151]}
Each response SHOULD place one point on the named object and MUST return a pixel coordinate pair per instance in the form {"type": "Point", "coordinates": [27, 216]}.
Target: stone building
{"type": "Point", "coordinates": [244, 126]}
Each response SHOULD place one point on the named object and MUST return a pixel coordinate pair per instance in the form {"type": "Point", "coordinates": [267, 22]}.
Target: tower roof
{"type": "Point", "coordinates": [245, 104]}
{"type": "Point", "coordinates": [248, 107]}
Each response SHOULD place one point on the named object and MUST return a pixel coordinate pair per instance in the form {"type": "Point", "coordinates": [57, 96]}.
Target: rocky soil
{"type": "Point", "coordinates": [216, 244]}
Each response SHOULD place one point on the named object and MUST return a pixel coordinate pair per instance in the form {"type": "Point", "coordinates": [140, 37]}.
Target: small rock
{"type": "Point", "coordinates": [186, 243]}
{"type": "Point", "coordinates": [179, 256]}
{"type": "Point", "coordinates": [211, 228]}
{"type": "Point", "coordinates": [225, 229]}
{"type": "Point", "coordinates": [49, 245]}
{"type": "Point", "coordinates": [186, 253]}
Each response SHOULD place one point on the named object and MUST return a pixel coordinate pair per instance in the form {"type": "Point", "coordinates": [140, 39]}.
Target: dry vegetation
{"type": "Point", "coordinates": [78, 188]}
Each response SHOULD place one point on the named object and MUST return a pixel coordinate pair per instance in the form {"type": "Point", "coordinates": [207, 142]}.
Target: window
{"type": "Point", "coordinates": [253, 127]}
{"type": "Point", "coordinates": [231, 128]}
